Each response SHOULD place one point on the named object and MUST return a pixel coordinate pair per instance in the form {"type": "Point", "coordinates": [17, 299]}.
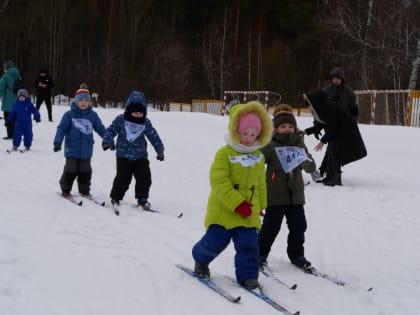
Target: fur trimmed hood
{"type": "Point", "coordinates": [257, 108]}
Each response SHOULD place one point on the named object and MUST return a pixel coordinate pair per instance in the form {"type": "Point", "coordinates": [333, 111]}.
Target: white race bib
{"type": "Point", "coordinates": [290, 157]}
{"type": "Point", "coordinates": [83, 125]}
{"type": "Point", "coordinates": [246, 160]}
{"type": "Point", "coordinates": [133, 130]}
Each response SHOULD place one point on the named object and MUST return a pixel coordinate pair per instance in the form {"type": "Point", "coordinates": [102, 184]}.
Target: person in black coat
{"type": "Point", "coordinates": [43, 84]}
{"type": "Point", "coordinates": [341, 133]}
{"type": "Point", "coordinates": [340, 92]}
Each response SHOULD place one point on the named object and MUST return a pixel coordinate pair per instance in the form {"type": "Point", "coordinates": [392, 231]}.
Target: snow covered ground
{"type": "Point", "coordinates": [60, 259]}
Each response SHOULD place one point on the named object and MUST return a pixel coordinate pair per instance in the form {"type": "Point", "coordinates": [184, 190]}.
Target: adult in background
{"type": "Point", "coordinates": [341, 133]}
{"type": "Point", "coordinates": [339, 92]}
{"type": "Point", "coordinates": [43, 84]}
{"type": "Point", "coordinates": [7, 82]}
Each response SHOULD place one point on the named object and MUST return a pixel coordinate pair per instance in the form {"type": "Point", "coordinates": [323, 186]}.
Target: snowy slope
{"type": "Point", "coordinates": [60, 259]}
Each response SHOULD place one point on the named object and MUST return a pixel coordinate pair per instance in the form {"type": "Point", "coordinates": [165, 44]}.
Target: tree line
{"type": "Point", "coordinates": [182, 49]}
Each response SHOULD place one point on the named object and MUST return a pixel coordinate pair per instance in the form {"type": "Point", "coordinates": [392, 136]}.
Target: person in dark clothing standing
{"type": "Point", "coordinates": [7, 83]}
{"type": "Point", "coordinates": [339, 92]}
{"type": "Point", "coordinates": [43, 84]}
{"type": "Point", "coordinates": [341, 133]}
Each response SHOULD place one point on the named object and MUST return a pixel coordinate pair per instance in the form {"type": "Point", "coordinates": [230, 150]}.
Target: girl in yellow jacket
{"type": "Point", "coordinates": [238, 194]}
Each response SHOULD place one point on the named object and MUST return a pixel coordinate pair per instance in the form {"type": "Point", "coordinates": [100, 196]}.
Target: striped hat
{"type": "Point", "coordinates": [81, 93]}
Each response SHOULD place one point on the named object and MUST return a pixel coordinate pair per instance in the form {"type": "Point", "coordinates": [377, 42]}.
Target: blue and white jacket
{"type": "Point", "coordinates": [131, 142]}
{"type": "Point", "coordinates": [77, 127]}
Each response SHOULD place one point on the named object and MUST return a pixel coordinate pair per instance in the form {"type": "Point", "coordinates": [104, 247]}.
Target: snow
{"type": "Point", "coordinates": [60, 259]}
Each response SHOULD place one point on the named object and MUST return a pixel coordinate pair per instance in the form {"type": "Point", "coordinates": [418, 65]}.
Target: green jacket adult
{"type": "Point", "coordinates": [285, 188]}
{"type": "Point", "coordinates": [7, 82]}
{"type": "Point", "coordinates": [237, 174]}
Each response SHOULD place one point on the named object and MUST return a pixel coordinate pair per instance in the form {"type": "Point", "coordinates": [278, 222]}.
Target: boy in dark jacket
{"type": "Point", "coordinates": [132, 159]}
{"type": "Point", "coordinates": [286, 155]}
{"type": "Point", "coordinates": [21, 114]}
{"type": "Point", "coordinates": [76, 127]}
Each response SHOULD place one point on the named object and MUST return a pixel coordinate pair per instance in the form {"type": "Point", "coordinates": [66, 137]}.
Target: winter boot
{"type": "Point", "coordinates": [263, 262]}
{"type": "Point", "coordinates": [201, 271]}
{"type": "Point", "coordinates": [142, 202]}
{"type": "Point", "coordinates": [335, 179]}
{"type": "Point", "coordinates": [302, 263]}
{"type": "Point", "coordinates": [251, 284]}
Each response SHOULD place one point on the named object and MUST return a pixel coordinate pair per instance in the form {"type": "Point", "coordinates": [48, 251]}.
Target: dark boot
{"type": "Point", "coordinates": [334, 179]}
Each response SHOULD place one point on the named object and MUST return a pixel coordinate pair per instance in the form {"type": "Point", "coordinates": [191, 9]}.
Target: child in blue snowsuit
{"type": "Point", "coordinates": [76, 127]}
{"type": "Point", "coordinates": [22, 111]}
{"type": "Point", "coordinates": [131, 127]}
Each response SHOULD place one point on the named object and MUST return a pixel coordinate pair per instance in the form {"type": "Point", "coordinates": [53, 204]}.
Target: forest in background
{"type": "Point", "coordinates": [177, 50]}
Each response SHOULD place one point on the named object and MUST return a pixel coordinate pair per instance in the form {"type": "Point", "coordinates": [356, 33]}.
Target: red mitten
{"type": "Point", "coordinates": [244, 209]}
{"type": "Point", "coordinates": [262, 213]}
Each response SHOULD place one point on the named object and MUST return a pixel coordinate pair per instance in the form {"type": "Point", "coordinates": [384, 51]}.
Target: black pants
{"type": "Point", "coordinates": [126, 169]}
{"type": "Point", "coordinates": [47, 99]}
{"type": "Point", "coordinates": [296, 221]}
{"type": "Point", "coordinates": [10, 126]}
{"type": "Point", "coordinates": [331, 162]}
{"type": "Point", "coordinates": [76, 168]}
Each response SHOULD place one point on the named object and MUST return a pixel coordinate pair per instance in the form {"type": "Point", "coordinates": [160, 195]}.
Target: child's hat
{"type": "Point", "coordinates": [81, 93]}
{"type": "Point", "coordinates": [249, 120]}
{"type": "Point", "coordinates": [22, 92]}
{"type": "Point", "coordinates": [284, 114]}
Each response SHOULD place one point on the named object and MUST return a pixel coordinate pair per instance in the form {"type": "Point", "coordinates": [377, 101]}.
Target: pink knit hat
{"type": "Point", "coordinates": [249, 120]}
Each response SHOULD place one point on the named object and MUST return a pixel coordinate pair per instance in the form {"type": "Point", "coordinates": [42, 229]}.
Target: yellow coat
{"type": "Point", "coordinates": [236, 177]}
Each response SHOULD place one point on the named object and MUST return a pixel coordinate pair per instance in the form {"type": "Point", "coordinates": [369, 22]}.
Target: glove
{"type": "Point", "coordinates": [160, 156]}
{"type": "Point", "coordinates": [57, 147]}
{"type": "Point", "coordinates": [244, 209]}
{"type": "Point", "coordinates": [107, 146]}
{"type": "Point", "coordinates": [316, 176]}
{"type": "Point", "coordinates": [262, 213]}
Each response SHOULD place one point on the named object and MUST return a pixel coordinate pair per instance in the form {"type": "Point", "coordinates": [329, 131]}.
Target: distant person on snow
{"type": "Point", "coordinates": [286, 155]}
{"type": "Point", "coordinates": [76, 127]}
{"type": "Point", "coordinates": [238, 195]}
{"type": "Point", "coordinates": [7, 83]}
{"type": "Point", "coordinates": [131, 128]}
{"type": "Point", "coordinates": [43, 85]}
{"type": "Point", "coordinates": [341, 133]}
{"type": "Point", "coordinates": [21, 114]}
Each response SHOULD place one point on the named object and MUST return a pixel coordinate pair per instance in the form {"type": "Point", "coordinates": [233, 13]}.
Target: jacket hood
{"type": "Point", "coordinates": [316, 100]}
{"type": "Point", "coordinates": [337, 72]}
{"type": "Point", "coordinates": [257, 108]}
{"type": "Point", "coordinates": [137, 97]}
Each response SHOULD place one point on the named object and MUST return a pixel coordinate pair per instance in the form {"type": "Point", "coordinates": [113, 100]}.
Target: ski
{"type": "Point", "coordinates": [259, 293]}
{"type": "Point", "coordinates": [72, 199]}
{"type": "Point", "coordinates": [315, 272]}
{"type": "Point", "coordinates": [266, 271]}
{"type": "Point", "coordinates": [211, 284]}
{"type": "Point", "coordinates": [11, 150]}
{"type": "Point", "coordinates": [91, 198]}
{"type": "Point", "coordinates": [148, 209]}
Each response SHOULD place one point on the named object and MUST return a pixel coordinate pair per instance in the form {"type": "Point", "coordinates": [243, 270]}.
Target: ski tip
{"type": "Point", "coordinates": [370, 289]}
{"type": "Point", "coordinates": [117, 212]}
{"type": "Point", "coordinates": [237, 300]}
{"type": "Point", "coordinates": [297, 313]}
{"type": "Point", "coordinates": [293, 287]}
{"type": "Point", "coordinates": [180, 215]}
{"type": "Point", "coordinates": [80, 203]}
{"type": "Point", "coordinates": [102, 203]}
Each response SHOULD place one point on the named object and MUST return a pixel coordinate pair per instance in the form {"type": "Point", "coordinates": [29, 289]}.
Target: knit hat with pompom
{"type": "Point", "coordinates": [284, 114]}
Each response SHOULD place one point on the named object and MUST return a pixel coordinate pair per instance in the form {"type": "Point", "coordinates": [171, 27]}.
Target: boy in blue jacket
{"type": "Point", "coordinates": [21, 114]}
{"type": "Point", "coordinates": [132, 159]}
{"type": "Point", "coordinates": [76, 127]}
